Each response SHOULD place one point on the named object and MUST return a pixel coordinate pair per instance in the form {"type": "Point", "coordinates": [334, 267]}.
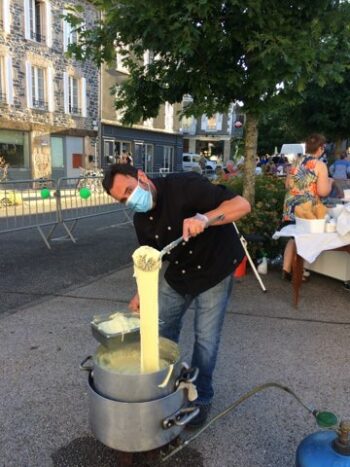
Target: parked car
{"type": "Point", "coordinates": [190, 161]}
{"type": "Point", "coordinates": [291, 151]}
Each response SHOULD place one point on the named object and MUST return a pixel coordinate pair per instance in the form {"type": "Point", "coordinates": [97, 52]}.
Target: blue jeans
{"type": "Point", "coordinates": [210, 308]}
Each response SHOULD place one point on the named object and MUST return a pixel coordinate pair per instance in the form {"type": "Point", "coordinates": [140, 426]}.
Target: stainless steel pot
{"type": "Point", "coordinates": [139, 426]}
{"type": "Point", "coordinates": [139, 387]}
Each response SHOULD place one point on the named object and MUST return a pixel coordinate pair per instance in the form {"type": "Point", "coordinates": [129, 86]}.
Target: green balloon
{"type": "Point", "coordinates": [85, 193]}
{"type": "Point", "coordinates": [45, 193]}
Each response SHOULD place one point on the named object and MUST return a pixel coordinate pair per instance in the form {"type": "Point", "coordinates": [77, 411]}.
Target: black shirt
{"type": "Point", "coordinates": [203, 261]}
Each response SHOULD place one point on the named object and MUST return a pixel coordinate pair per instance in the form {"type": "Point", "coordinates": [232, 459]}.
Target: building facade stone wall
{"type": "Point", "coordinates": [42, 123]}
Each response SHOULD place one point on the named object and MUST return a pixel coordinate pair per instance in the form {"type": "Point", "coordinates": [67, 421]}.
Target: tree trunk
{"type": "Point", "coordinates": [338, 147]}
{"type": "Point", "coordinates": [250, 152]}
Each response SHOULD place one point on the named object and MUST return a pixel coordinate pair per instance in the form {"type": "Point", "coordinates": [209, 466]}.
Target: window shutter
{"type": "Point", "coordinates": [219, 122]}
{"type": "Point", "coordinates": [9, 80]}
{"type": "Point", "coordinates": [26, 20]}
{"type": "Point", "coordinates": [204, 123]}
{"type": "Point", "coordinates": [6, 15]}
{"type": "Point", "coordinates": [29, 84]}
{"type": "Point", "coordinates": [48, 23]}
{"type": "Point", "coordinates": [66, 32]}
{"type": "Point", "coordinates": [83, 97]}
{"type": "Point", "coordinates": [65, 93]}
{"type": "Point", "coordinates": [50, 89]}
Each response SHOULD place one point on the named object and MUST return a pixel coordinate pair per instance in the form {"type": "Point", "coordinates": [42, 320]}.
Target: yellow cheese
{"type": "Point", "coordinates": [147, 264]}
{"type": "Point", "coordinates": [124, 360]}
{"type": "Point", "coordinates": [119, 323]}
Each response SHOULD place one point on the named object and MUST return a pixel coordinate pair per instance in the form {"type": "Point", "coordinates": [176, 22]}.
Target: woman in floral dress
{"type": "Point", "coordinates": [307, 180]}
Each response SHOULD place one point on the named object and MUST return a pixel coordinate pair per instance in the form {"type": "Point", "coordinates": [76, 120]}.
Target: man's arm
{"type": "Point", "coordinates": [134, 304]}
{"type": "Point", "coordinates": [232, 210]}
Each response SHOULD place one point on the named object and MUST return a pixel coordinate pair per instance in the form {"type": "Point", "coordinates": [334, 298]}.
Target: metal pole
{"type": "Point", "coordinates": [244, 245]}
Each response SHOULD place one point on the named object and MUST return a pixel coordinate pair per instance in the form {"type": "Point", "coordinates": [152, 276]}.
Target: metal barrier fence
{"type": "Point", "coordinates": [27, 204]}
{"type": "Point", "coordinates": [45, 203]}
{"type": "Point", "coordinates": [37, 204]}
{"type": "Point", "coordinates": [83, 197]}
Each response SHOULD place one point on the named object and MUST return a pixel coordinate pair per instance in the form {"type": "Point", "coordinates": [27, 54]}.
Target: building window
{"type": "Point", "coordinates": [70, 34]}
{"type": "Point", "coordinates": [37, 20]}
{"type": "Point", "coordinates": [120, 54]}
{"type": "Point", "coordinates": [211, 125]}
{"type": "Point", "coordinates": [114, 149]}
{"type": "Point", "coordinates": [1, 14]}
{"type": "Point", "coordinates": [188, 125]}
{"type": "Point", "coordinates": [148, 123]}
{"type": "Point", "coordinates": [6, 82]}
{"type": "Point", "coordinates": [39, 93]}
{"type": "Point", "coordinates": [5, 16]}
{"type": "Point", "coordinates": [169, 117]}
{"type": "Point", "coordinates": [109, 151]}
{"type": "Point", "coordinates": [148, 57]}
{"type": "Point", "coordinates": [2, 80]}
{"type": "Point", "coordinates": [57, 153]}
{"type": "Point", "coordinates": [14, 148]}
{"type": "Point", "coordinates": [74, 95]}
{"type": "Point", "coordinates": [122, 149]}
{"type": "Point", "coordinates": [168, 158]}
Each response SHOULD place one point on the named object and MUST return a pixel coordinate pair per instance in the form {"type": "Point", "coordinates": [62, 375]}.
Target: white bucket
{"type": "Point", "coordinates": [310, 225]}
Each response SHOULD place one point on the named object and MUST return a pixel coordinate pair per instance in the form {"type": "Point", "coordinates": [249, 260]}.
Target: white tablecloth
{"type": "Point", "coordinates": [309, 246]}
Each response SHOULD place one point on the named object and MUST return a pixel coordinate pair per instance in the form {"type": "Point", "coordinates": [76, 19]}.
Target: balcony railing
{"type": "Point", "coordinates": [40, 104]}
{"type": "Point", "coordinates": [74, 110]}
{"type": "Point", "coordinates": [37, 36]}
{"type": "Point", "coordinates": [3, 98]}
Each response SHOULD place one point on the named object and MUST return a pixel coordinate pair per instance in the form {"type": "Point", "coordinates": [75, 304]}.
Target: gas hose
{"type": "Point", "coordinates": [324, 419]}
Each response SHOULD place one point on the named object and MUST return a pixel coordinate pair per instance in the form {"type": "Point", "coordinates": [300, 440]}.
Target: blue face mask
{"type": "Point", "coordinates": [140, 200]}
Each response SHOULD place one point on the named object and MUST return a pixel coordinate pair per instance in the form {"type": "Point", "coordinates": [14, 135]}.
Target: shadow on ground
{"type": "Point", "coordinates": [88, 452]}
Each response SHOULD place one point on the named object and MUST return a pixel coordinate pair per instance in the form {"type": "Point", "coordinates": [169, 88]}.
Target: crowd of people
{"type": "Point", "coordinates": [270, 165]}
{"type": "Point", "coordinates": [280, 165]}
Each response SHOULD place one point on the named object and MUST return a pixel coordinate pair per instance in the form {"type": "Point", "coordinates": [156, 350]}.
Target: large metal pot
{"type": "Point", "coordinates": [139, 426]}
{"type": "Point", "coordinates": [139, 387]}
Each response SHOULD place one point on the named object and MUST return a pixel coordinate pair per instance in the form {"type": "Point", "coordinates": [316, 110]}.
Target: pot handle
{"type": "Point", "coordinates": [86, 368]}
{"type": "Point", "coordinates": [181, 417]}
{"type": "Point", "coordinates": [187, 374]}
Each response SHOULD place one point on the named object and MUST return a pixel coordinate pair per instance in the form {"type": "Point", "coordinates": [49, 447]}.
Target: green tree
{"type": "Point", "coordinates": [219, 51]}
{"type": "Point", "coordinates": [324, 109]}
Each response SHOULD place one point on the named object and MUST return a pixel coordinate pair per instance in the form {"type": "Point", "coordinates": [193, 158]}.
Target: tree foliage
{"type": "Point", "coordinates": [219, 51]}
{"type": "Point", "coordinates": [324, 109]}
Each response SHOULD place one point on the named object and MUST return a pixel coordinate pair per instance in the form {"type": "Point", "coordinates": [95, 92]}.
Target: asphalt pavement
{"type": "Point", "coordinates": [44, 410]}
{"type": "Point", "coordinates": [30, 272]}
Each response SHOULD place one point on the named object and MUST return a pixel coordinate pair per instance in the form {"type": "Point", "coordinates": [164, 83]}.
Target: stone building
{"type": "Point", "coordinates": [48, 103]}
{"type": "Point", "coordinates": [213, 135]}
{"type": "Point", "coordinates": [155, 144]}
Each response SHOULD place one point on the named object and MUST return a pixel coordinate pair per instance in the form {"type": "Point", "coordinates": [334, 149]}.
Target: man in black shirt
{"type": "Point", "coordinates": [200, 268]}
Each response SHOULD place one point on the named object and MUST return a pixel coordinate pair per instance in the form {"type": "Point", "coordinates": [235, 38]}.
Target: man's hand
{"type": "Point", "coordinates": [134, 304]}
{"type": "Point", "coordinates": [192, 226]}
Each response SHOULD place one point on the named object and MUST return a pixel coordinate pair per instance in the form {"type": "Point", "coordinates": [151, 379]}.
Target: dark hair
{"type": "Point", "coordinates": [313, 142]}
{"type": "Point", "coordinates": [113, 170]}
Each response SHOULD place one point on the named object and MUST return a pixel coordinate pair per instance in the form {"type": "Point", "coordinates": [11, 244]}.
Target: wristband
{"type": "Point", "coordinates": [201, 217]}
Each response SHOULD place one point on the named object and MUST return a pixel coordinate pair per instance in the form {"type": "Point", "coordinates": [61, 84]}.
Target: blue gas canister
{"type": "Point", "coordinates": [326, 448]}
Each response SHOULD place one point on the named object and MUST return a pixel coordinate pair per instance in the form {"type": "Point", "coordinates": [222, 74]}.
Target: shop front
{"type": "Point", "coordinates": [151, 151]}
{"type": "Point", "coordinates": [14, 149]}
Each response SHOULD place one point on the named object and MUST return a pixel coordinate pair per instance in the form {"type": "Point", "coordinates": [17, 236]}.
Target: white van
{"type": "Point", "coordinates": [292, 150]}
{"type": "Point", "coordinates": [190, 161]}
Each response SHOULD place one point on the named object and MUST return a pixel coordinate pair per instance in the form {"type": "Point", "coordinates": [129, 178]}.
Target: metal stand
{"type": "Point", "coordinates": [252, 265]}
